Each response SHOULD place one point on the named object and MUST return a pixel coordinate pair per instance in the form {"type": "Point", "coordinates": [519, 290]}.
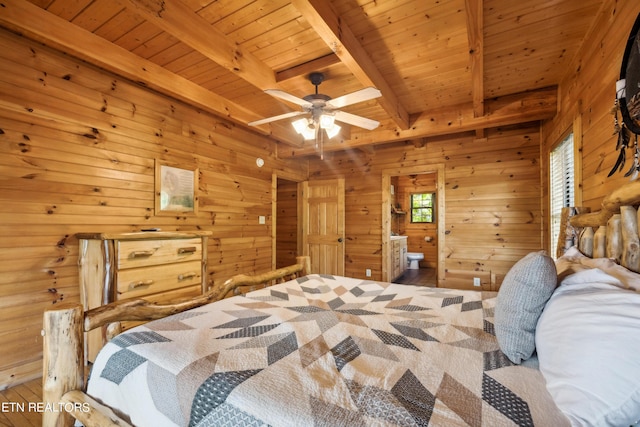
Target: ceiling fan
{"type": "Point", "coordinates": [322, 111]}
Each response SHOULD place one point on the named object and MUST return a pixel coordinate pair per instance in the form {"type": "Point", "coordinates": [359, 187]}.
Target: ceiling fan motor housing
{"type": "Point", "coordinates": [318, 100]}
{"type": "Point", "coordinates": [316, 79]}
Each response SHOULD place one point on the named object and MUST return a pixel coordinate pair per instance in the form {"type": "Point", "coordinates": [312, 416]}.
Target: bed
{"type": "Point", "coordinates": [558, 345]}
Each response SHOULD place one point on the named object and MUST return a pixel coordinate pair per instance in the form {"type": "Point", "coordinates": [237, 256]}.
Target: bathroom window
{"type": "Point", "coordinates": [422, 207]}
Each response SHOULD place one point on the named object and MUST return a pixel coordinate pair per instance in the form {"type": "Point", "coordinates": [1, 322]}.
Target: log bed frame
{"type": "Point", "coordinates": [63, 381]}
{"type": "Point", "coordinates": [611, 232]}
{"type": "Point", "coordinates": [64, 327]}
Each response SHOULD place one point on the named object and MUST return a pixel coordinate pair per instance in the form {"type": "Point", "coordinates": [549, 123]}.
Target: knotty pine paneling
{"type": "Point", "coordinates": [588, 94]}
{"type": "Point", "coordinates": [77, 155]}
{"type": "Point", "coordinates": [492, 194]}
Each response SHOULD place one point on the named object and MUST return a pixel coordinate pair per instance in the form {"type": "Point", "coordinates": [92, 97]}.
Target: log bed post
{"type": "Point", "coordinates": [630, 241]}
{"type": "Point", "coordinates": [63, 361]}
{"type": "Point", "coordinates": [305, 261]}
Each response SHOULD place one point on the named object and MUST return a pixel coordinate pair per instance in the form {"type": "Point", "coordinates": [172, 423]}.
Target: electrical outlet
{"type": "Point", "coordinates": [262, 219]}
{"type": "Point", "coordinates": [368, 272]}
{"type": "Point", "coordinates": [476, 281]}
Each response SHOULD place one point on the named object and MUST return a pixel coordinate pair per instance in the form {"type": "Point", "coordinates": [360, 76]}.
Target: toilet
{"type": "Point", "coordinates": [414, 259]}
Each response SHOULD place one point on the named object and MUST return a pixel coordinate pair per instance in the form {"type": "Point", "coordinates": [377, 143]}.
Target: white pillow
{"type": "Point", "coordinates": [588, 345]}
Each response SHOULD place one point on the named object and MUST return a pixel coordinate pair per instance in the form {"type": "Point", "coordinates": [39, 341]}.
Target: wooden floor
{"type": "Point", "coordinates": [18, 405]}
{"type": "Point", "coordinates": [421, 276]}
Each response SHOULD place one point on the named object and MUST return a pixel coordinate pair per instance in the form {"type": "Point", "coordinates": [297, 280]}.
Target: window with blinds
{"type": "Point", "coordinates": [561, 185]}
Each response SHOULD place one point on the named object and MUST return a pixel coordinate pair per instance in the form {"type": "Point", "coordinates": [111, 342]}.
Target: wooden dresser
{"type": "Point", "coordinates": [158, 266]}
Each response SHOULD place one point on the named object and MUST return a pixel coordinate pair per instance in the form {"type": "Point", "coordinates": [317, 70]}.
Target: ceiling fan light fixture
{"type": "Point", "coordinates": [327, 121]}
{"type": "Point", "coordinates": [300, 125]}
{"type": "Point", "coordinates": [305, 127]}
{"type": "Point", "coordinates": [333, 131]}
{"type": "Point", "coordinates": [309, 132]}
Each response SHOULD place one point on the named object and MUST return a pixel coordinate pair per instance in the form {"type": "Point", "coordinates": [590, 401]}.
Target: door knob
{"type": "Point", "coordinates": [339, 239]}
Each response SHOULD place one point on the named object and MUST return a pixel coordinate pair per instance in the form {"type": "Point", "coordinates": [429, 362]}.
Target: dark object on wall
{"type": "Point", "coordinates": [628, 104]}
{"type": "Point", "coordinates": [622, 141]}
{"type": "Point", "coordinates": [630, 72]}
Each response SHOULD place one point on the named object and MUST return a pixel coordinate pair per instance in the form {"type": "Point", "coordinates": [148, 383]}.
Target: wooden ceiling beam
{"type": "Point", "coordinates": [339, 37]}
{"type": "Point", "coordinates": [308, 67]}
{"type": "Point", "coordinates": [507, 110]}
{"type": "Point", "coordinates": [38, 24]}
{"type": "Point", "coordinates": [475, 34]}
{"type": "Point", "coordinates": [184, 24]}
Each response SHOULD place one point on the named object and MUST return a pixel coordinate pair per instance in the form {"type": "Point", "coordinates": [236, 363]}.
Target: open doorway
{"type": "Point", "coordinates": [286, 222]}
{"type": "Point", "coordinates": [411, 230]}
{"type": "Point", "coordinates": [414, 198]}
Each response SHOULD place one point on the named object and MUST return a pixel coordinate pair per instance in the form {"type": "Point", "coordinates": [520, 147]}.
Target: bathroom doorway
{"type": "Point", "coordinates": [423, 239]}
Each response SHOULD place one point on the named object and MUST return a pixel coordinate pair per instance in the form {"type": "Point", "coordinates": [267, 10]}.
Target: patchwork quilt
{"type": "Point", "coordinates": [324, 351]}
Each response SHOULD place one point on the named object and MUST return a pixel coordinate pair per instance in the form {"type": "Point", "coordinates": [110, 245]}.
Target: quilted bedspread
{"type": "Point", "coordinates": [324, 351]}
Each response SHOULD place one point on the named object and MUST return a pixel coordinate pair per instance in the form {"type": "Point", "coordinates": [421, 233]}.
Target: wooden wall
{"type": "Point", "coordinates": [587, 95]}
{"type": "Point", "coordinates": [77, 150]}
{"type": "Point", "coordinates": [492, 195]}
{"type": "Point", "coordinates": [78, 146]}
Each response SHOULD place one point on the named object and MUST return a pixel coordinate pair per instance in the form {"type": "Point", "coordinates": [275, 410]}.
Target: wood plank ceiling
{"type": "Point", "coordinates": [443, 66]}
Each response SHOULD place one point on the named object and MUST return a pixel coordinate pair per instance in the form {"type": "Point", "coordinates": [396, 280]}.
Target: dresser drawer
{"type": "Point", "coordinates": [141, 253]}
{"type": "Point", "coordinates": [138, 282]}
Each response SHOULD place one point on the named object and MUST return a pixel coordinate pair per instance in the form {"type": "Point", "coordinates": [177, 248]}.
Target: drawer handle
{"type": "Point", "coordinates": [141, 283]}
{"type": "Point", "coordinates": [142, 254]}
{"type": "Point", "coordinates": [188, 250]}
{"type": "Point", "coordinates": [185, 276]}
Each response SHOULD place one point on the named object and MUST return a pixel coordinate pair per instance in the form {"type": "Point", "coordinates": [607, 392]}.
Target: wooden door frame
{"type": "Point", "coordinates": [438, 169]}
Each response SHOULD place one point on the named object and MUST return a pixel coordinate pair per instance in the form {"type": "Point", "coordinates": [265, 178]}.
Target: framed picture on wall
{"type": "Point", "coordinates": [175, 189]}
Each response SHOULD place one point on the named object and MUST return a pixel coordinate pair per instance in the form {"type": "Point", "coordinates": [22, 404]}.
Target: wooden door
{"type": "Point", "coordinates": [323, 225]}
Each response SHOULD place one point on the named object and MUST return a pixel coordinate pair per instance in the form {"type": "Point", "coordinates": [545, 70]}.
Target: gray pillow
{"type": "Point", "coordinates": [522, 296]}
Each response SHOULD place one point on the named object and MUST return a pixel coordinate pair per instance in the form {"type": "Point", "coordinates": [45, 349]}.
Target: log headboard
{"type": "Point", "coordinates": [611, 232]}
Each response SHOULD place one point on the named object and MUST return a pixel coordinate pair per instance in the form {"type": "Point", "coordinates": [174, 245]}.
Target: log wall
{"type": "Point", "coordinates": [492, 196]}
{"type": "Point", "coordinates": [78, 146]}
{"type": "Point", "coordinates": [587, 95]}
{"type": "Point", "coordinates": [77, 151]}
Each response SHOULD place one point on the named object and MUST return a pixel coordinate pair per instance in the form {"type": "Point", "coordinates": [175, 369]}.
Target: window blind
{"type": "Point", "coordinates": [561, 185]}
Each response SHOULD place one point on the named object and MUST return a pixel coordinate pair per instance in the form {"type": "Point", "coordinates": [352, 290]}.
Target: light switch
{"type": "Point", "coordinates": [262, 219]}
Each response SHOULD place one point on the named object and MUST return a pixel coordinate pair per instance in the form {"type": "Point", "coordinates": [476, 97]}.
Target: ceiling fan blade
{"type": "Point", "coordinates": [288, 97]}
{"type": "Point", "coordinates": [352, 119]}
{"type": "Point", "coordinates": [275, 118]}
{"type": "Point", "coordinates": [354, 97]}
